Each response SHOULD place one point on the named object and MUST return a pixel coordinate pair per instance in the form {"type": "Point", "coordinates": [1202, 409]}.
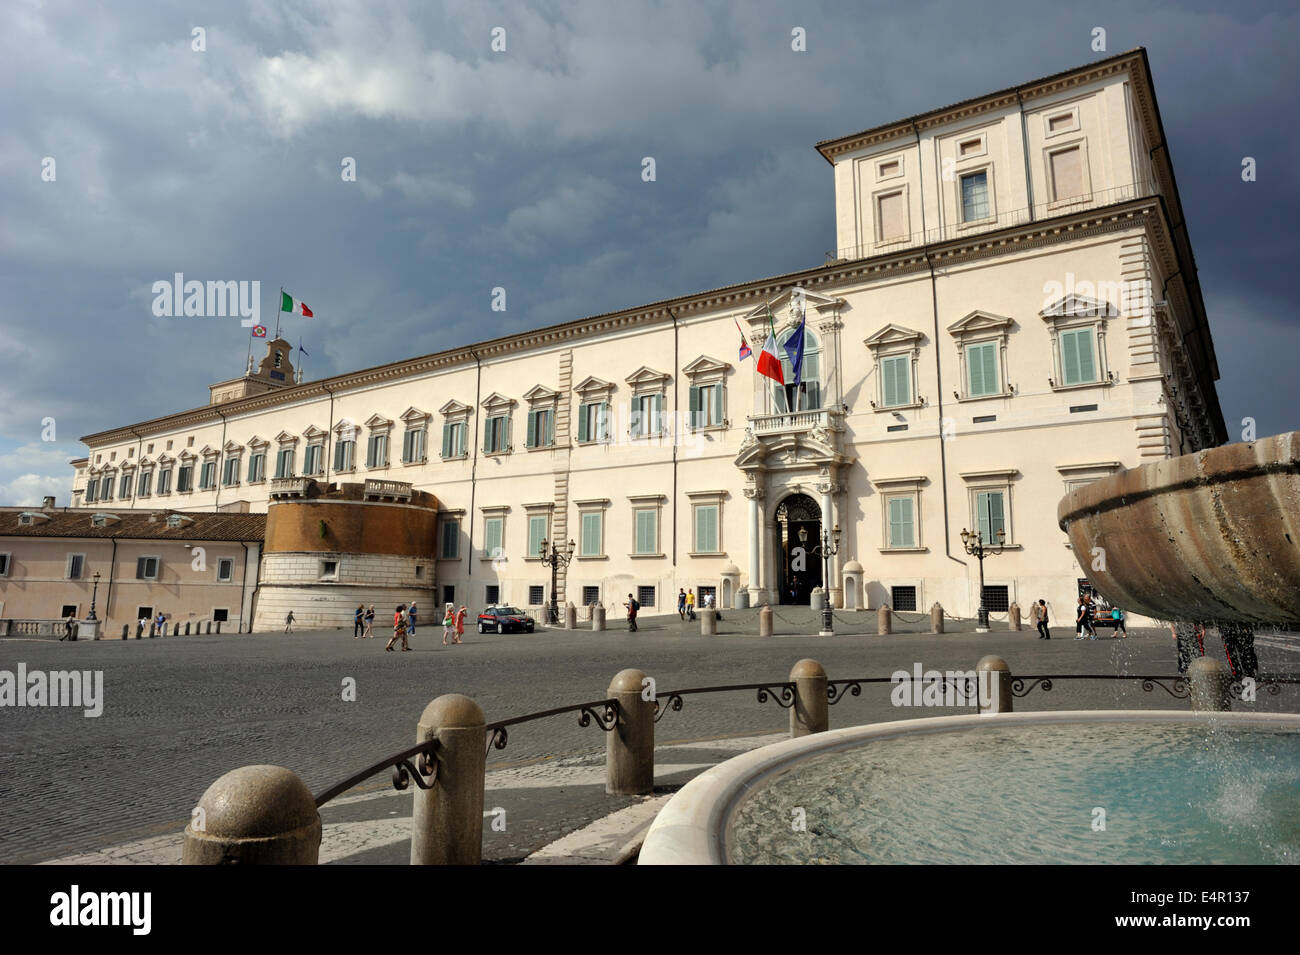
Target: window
{"type": "Point", "coordinates": [283, 463]}
{"type": "Point", "coordinates": [124, 491]}
{"type": "Point", "coordinates": [76, 565]}
{"type": "Point", "coordinates": [377, 451]}
{"type": "Point", "coordinates": [975, 196]}
{"type": "Point", "coordinates": [706, 405]}
{"type": "Point", "coordinates": [493, 535]}
{"type": "Point", "coordinates": [593, 422]}
{"type": "Point", "coordinates": [645, 596]}
{"type": "Point", "coordinates": [313, 459]}
{"type": "Point", "coordinates": [891, 216]}
{"type": "Point", "coordinates": [146, 568]}
{"type": "Point", "coordinates": [1078, 357]}
{"type": "Point", "coordinates": [896, 380]}
{"type": "Point", "coordinates": [230, 474]}
{"type": "Point", "coordinates": [706, 529]}
{"type": "Point", "coordinates": [903, 598]}
{"type": "Point", "coordinates": [537, 532]}
{"type": "Point", "coordinates": [492, 594]}
{"type": "Point", "coordinates": [145, 485]}
{"type": "Point", "coordinates": [647, 531]}
{"type": "Point", "coordinates": [106, 487]}
{"type": "Point", "coordinates": [646, 418]}
{"type": "Point", "coordinates": [345, 452]}
{"type": "Point", "coordinates": [208, 476]}
{"type": "Point", "coordinates": [496, 434]}
{"type": "Point", "coordinates": [448, 594]}
{"type": "Point", "coordinates": [93, 483]}
{"type": "Point", "coordinates": [256, 467]}
{"type": "Point", "coordinates": [982, 370]}
{"type": "Point", "coordinates": [449, 548]}
{"type": "Point", "coordinates": [225, 569]}
{"type": "Point", "coordinates": [4, 565]}
{"type": "Point", "coordinates": [1066, 167]}
{"type": "Point", "coordinates": [990, 515]}
{"type": "Point", "coordinates": [809, 397]}
{"type": "Point", "coordinates": [536, 595]}
{"type": "Point", "coordinates": [592, 542]}
{"type": "Point", "coordinates": [68, 610]}
{"type": "Point", "coordinates": [165, 481]}
{"type": "Point", "coordinates": [902, 527]}
{"type": "Point", "coordinates": [541, 428]}
{"type": "Point", "coordinates": [329, 570]}
{"type": "Point", "coordinates": [221, 615]}
{"type": "Point", "coordinates": [590, 595]}
{"type": "Point", "coordinates": [997, 598]}
{"type": "Point", "coordinates": [413, 445]}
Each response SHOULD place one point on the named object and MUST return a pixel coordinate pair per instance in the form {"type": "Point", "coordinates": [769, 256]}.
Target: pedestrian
{"type": "Point", "coordinates": [410, 617]}
{"type": "Point", "coordinates": [1118, 616]}
{"type": "Point", "coordinates": [359, 622]}
{"type": "Point", "coordinates": [1083, 620]}
{"type": "Point", "coordinates": [139, 627]}
{"type": "Point", "coordinates": [1040, 612]}
{"type": "Point", "coordinates": [681, 603]}
{"type": "Point", "coordinates": [161, 623]}
{"type": "Point", "coordinates": [399, 628]}
{"type": "Point", "coordinates": [460, 623]}
{"type": "Point", "coordinates": [1239, 648]}
{"type": "Point", "coordinates": [67, 628]}
{"type": "Point", "coordinates": [690, 605]}
{"type": "Point", "coordinates": [288, 623]}
{"type": "Point", "coordinates": [369, 633]}
{"type": "Point", "coordinates": [448, 624]}
{"type": "Point", "coordinates": [632, 607]}
{"type": "Point", "coordinates": [1187, 643]}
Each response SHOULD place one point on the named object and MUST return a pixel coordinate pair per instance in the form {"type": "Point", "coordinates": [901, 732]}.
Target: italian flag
{"type": "Point", "coordinates": [290, 304]}
{"type": "Point", "coordinates": [768, 363]}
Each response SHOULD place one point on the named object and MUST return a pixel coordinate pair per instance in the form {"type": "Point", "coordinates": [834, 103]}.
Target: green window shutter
{"type": "Point", "coordinates": [536, 534]}
{"type": "Point", "coordinates": [991, 369]}
{"type": "Point", "coordinates": [1070, 363]}
{"type": "Point", "coordinates": [488, 430]}
{"type": "Point", "coordinates": [974, 371]}
{"type": "Point", "coordinates": [717, 404]}
{"type": "Point", "coordinates": [602, 422]}
{"type": "Point", "coordinates": [531, 441]}
{"type": "Point", "coordinates": [463, 431]}
{"type": "Point", "coordinates": [590, 534]}
{"type": "Point", "coordinates": [550, 427]}
{"type": "Point", "coordinates": [896, 373]}
{"type": "Point", "coordinates": [981, 367]}
{"type": "Point", "coordinates": [695, 406]}
{"type": "Point", "coordinates": [645, 532]}
{"type": "Point", "coordinates": [900, 522]}
{"type": "Point", "coordinates": [1087, 364]}
{"type": "Point", "coordinates": [583, 411]}
{"type": "Point", "coordinates": [491, 536]}
{"type": "Point", "coordinates": [706, 528]}
{"type": "Point", "coordinates": [505, 425]}
{"type": "Point", "coordinates": [657, 424]}
{"type": "Point", "coordinates": [991, 516]}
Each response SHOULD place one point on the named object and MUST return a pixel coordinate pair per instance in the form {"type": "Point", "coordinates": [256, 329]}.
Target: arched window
{"type": "Point", "coordinates": [784, 400]}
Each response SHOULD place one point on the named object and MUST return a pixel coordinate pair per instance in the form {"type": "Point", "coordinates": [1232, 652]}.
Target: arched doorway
{"type": "Point", "coordinates": [799, 525]}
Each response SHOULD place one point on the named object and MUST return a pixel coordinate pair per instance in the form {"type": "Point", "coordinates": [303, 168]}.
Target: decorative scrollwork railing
{"type": "Point", "coordinates": [782, 693]}
{"type": "Point", "coordinates": [1176, 686]}
{"type": "Point", "coordinates": [606, 719]}
{"type": "Point", "coordinates": [424, 772]}
{"type": "Point", "coordinates": [1271, 683]}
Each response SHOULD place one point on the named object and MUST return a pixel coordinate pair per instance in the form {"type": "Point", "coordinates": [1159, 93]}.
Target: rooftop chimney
{"type": "Point", "coordinates": [47, 502]}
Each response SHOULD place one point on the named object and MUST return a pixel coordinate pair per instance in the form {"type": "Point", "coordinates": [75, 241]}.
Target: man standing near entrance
{"type": "Point", "coordinates": [632, 607]}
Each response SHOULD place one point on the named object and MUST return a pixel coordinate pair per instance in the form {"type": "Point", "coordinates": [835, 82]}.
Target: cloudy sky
{"type": "Point", "coordinates": [522, 169]}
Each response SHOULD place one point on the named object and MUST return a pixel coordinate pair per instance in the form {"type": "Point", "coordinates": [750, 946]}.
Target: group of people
{"type": "Point", "coordinates": [404, 620]}
{"type": "Point", "coordinates": [686, 603]}
{"type": "Point", "coordinates": [1084, 619]}
{"type": "Point", "coordinates": [1238, 646]}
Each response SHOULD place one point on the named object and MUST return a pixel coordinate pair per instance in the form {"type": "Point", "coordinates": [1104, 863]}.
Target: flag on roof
{"type": "Point", "coordinates": [294, 305]}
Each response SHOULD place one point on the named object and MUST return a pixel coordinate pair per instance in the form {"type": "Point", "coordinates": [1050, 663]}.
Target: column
{"type": "Point", "coordinates": [834, 586]}
{"type": "Point", "coordinates": [754, 587]}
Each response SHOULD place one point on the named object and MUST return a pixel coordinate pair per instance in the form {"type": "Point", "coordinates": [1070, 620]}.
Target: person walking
{"type": "Point", "coordinates": [369, 633]}
{"type": "Point", "coordinates": [448, 624]}
{"type": "Point", "coordinates": [460, 623]}
{"type": "Point", "coordinates": [358, 621]}
{"type": "Point", "coordinates": [1040, 613]}
{"type": "Point", "coordinates": [410, 619]}
{"type": "Point", "coordinates": [1239, 648]}
{"type": "Point", "coordinates": [288, 623]}
{"type": "Point", "coordinates": [690, 604]}
{"type": "Point", "coordinates": [632, 607]}
{"type": "Point", "coordinates": [1118, 616]}
{"type": "Point", "coordinates": [399, 628]}
{"type": "Point", "coordinates": [681, 603]}
{"type": "Point", "coordinates": [162, 624]}
{"type": "Point", "coordinates": [67, 628]}
{"type": "Point", "coordinates": [1083, 620]}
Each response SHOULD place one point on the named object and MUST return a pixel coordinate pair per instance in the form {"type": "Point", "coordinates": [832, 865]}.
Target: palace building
{"type": "Point", "coordinates": [1013, 311]}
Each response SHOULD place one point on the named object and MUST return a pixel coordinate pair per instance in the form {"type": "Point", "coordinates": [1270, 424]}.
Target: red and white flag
{"type": "Point", "coordinates": [769, 364]}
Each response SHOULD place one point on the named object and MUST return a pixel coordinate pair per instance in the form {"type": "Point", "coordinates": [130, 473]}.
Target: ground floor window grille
{"type": "Point", "coordinates": [903, 598]}
{"type": "Point", "coordinates": [590, 595]}
{"type": "Point", "coordinates": [492, 594]}
{"type": "Point", "coordinates": [645, 596]}
{"type": "Point", "coordinates": [702, 592]}
{"type": "Point", "coordinates": [996, 599]}
{"type": "Point", "coordinates": [536, 596]}
{"type": "Point", "coordinates": [221, 615]}
{"type": "Point", "coordinates": [448, 594]}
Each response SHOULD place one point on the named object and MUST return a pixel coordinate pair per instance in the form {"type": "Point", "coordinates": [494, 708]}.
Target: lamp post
{"type": "Point", "coordinates": [975, 546]}
{"type": "Point", "coordinates": [555, 559]}
{"type": "Point", "coordinates": [93, 594]}
{"type": "Point", "coordinates": [828, 548]}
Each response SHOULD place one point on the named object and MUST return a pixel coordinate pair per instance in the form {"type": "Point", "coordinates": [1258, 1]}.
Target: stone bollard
{"type": "Point", "coordinates": [187, 628]}
{"type": "Point", "coordinates": [811, 710]}
{"type": "Point", "coordinates": [1013, 617]}
{"type": "Point", "coordinates": [936, 618]}
{"type": "Point", "coordinates": [124, 631]}
{"type": "Point", "coordinates": [570, 616]}
{"type": "Point", "coordinates": [1209, 681]}
{"type": "Point", "coordinates": [742, 599]}
{"type": "Point", "coordinates": [218, 626]}
{"type": "Point", "coordinates": [598, 618]}
{"type": "Point", "coordinates": [209, 626]}
{"type": "Point", "coordinates": [765, 621]}
{"type": "Point", "coordinates": [994, 690]}
{"type": "Point", "coordinates": [708, 622]}
{"type": "Point", "coordinates": [630, 746]}
{"type": "Point", "coordinates": [884, 620]}
{"type": "Point", "coordinates": [447, 822]}
{"type": "Point", "coordinates": [254, 815]}
{"type": "Point", "coordinates": [817, 600]}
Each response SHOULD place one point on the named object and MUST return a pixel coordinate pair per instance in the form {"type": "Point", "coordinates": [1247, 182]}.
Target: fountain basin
{"type": "Point", "coordinates": [1212, 536]}
{"type": "Point", "coordinates": [1173, 787]}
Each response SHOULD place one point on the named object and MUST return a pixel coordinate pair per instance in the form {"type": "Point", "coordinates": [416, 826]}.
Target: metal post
{"type": "Point", "coordinates": [630, 746]}
{"type": "Point", "coordinates": [254, 815]}
{"type": "Point", "coordinates": [811, 710]}
{"type": "Point", "coordinates": [447, 821]}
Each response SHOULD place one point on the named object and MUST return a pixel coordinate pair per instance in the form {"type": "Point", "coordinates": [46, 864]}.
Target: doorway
{"type": "Point", "coordinates": [799, 525]}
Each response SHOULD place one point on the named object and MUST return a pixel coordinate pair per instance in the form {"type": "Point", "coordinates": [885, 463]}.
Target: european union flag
{"type": "Point", "coordinates": [794, 349]}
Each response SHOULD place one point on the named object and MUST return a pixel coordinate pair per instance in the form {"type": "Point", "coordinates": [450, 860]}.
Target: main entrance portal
{"type": "Point", "coordinates": [799, 524]}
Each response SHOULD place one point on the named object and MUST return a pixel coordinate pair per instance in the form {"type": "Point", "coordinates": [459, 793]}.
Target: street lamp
{"type": "Point", "coordinates": [555, 559]}
{"type": "Point", "coordinates": [93, 594]}
{"type": "Point", "coordinates": [829, 547]}
{"type": "Point", "coordinates": [975, 546]}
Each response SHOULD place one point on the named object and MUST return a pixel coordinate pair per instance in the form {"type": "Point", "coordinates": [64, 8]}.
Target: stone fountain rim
{"type": "Point", "coordinates": [691, 829]}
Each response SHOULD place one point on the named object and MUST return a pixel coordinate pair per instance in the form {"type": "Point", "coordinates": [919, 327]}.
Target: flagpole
{"type": "Point", "coordinates": [278, 305]}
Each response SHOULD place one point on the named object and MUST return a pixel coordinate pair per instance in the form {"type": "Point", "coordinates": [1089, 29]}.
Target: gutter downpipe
{"type": "Point", "coordinates": [216, 501]}
{"type": "Point", "coordinates": [473, 470]}
{"type": "Point", "coordinates": [676, 422]}
{"type": "Point", "coordinates": [112, 575]}
{"type": "Point", "coordinates": [329, 432]}
{"type": "Point", "coordinates": [1024, 149]}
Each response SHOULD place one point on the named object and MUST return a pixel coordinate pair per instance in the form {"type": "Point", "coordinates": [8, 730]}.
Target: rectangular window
{"type": "Point", "coordinates": [975, 196]}
{"type": "Point", "coordinates": [982, 369]}
{"type": "Point", "coordinates": [903, 598]}
{"type": "Point", "coordinates": [645, 596]}
{"type": "Point", "coordinates": [453, 439]}
{"type": "Point", "coordinates": [492, 594]}
{"type": "Point", "coordinates": [284, 463]}
{"type": "Point", "coordinates": [496, 434]}
{"type": "Point", "coordinates": [4, 565]}
{"type": "Point", "coordinates": [647, 415]}
{"type": "Point", "coordinates": [125, 490]}
{"type": "Point", "coordinates": [220, 615]}
{"type": "Point", "coordinates": [256, 466]}
{"type": "Point", "coordinates": [448, 593]}
{"type": "Point", "coordinates": [493, 529]}
{"type": "Point", "coordinates": [706, 529]}
{"type": "Point", "coordinates": [106, 488]}
{"type": "Point", "coordinates": [313, 459]}
{"type": "Point", "coordinates": [146, 484]}
{"type": "Point", "coordinates": [230, 474]}
{"type": "Point", "coordinates": [891, 217]}
{"type": "Point", "coordinates": [69, 610]}
{"type": "Point", "coordinates": [146, 568]}
{"type": "Point", "coordinates": [1078, 361]}
{"type": "Point", "coordinates": [706, 405]}
{"type": "Point", "coordinates": [1067, 173]}
{"type": "Point", "coordinates": [902, 527]}
{"type": "Point", "coordinates": [76, 564]}
{"type": "Point", "coordinates": [537, 524]}
{"type": "Point", "coordinates": [996, 598]}
{"type": "Point", "coordinates": [345, 453]}
{"type": "Point", "coordinates": [165, 481]}
{"type": "Point", "coordinates": [647, 531]}
{"type": "Point", "coordinates": [450, 548]}
{"type": "Point", "coordinates": [590, 595]}
{"type": "Point", "coordinates": [208, 477]}
{"type": "Point", "coordinates": [225, 569]}
{"type": "Point", "coordinates": [536, 595]}
{"type": "Point", "coordinates": [541, 428]}
{"type": "Point", "coordinates": [377, 451]}
{"type": "Point", "coordinates": [593, 422]}
{"type": "Point", "coordinates": [91, 485]}
{"type": "Point", "coordinates": [990, 515]}
{"type": "Point", "coordinates": [896, 383]}
{"type": "Point", "coordinates": [329, 570]}
{"type": "Point", "coordinates": [592, 543]}
{"type": "Point", "coordinates": [413, 445]}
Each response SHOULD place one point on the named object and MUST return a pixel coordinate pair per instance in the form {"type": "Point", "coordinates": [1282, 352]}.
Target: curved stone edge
{"type": "Point", "coordinates": [689, 830]}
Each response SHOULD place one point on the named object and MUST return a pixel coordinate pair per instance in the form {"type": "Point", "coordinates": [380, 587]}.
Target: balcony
{"type": "Point", "coordinates": [288, 487]}
{"type": "Point", "coordinates": [793, 423]}
{"type": "Point", "coordinates": [388, 491]}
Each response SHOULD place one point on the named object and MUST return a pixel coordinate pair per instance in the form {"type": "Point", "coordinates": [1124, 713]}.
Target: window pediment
{"type": "Point", "coordinates": [312, 432]}
{"type": "Point", "coordinates": [894, 336]}
{"type": "Point", "coordinates": [346, 429]}
{"type": "Point", "coordinates": [783, 311]}
{"type": "Point", "coordinates": [977, 322]}
{"type": "Point", "coordinates": [706, 367]}
{"type": "Point", "coordinates": [592, 387]}
{"type": "Point", "coordinates": [540, 395]}
{"type": "Point", "coordinates": [497, 403]}
{"type": "Point", "coordinates": [378, 423]}
{"type": "Point", "coordinates": [284, 437]}
{"type": "Point", "coordinates": [414, 415]}
{"type": "Point", "coordinates": [207, 452]}
{"type": "Point", "coordinates": [146, 463]}
{"type": "Point", "coordinates": [647, 379]}
{"type": "Point", "coordinates": [454, 409]}
{"type": "Point", "coordinates": [1078, 306]}
{"type": "Point", "coordinates": [254, 442]}
{"type": "Point", "coordinates": [165, 458]}
{"type": "Point", "coordinates": [230, 448]}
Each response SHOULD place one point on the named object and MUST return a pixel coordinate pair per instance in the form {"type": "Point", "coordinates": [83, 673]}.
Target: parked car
{"type": "Point", "coordinates": [505, 620]}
